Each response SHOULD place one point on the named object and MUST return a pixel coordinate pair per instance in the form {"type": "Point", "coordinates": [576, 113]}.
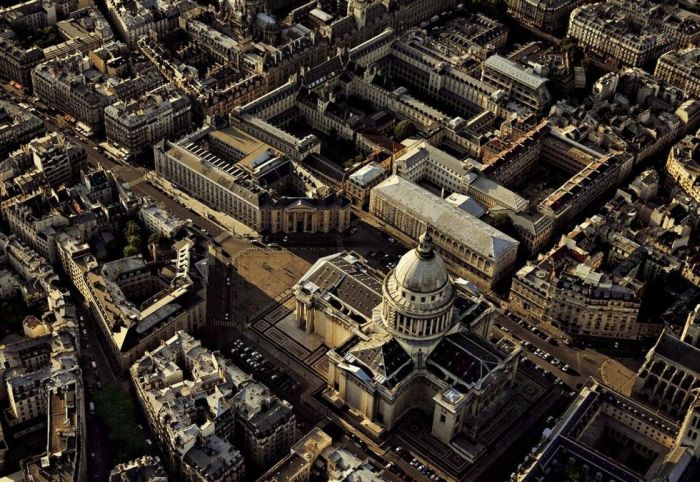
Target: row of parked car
{"type": "Point", "coordinates": [541, 353]}
{"type": "Point", "coordinates": [254, 362]}
{"type": "Point", "coordinates": [413, 462]}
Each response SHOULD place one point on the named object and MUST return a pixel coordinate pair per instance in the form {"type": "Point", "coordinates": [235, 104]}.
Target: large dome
{"type": "Point", "coordinates": [420, 270]}
{"type": "Point", "coordinates": [418, 300]}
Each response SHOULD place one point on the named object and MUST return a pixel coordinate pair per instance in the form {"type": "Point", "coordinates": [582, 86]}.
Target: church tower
{"type": "Point", "coordinates": [358, 10]}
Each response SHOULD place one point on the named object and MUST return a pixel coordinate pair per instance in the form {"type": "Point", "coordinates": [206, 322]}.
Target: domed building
{"type": "Point", "coordinates": [409, 341]}
{"type": "Point", "coordinates": [418, 300]}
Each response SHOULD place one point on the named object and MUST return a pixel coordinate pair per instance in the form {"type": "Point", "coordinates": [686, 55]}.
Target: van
{"type": "Point", "coordinates": [93, 365]}
{"type": "Point", "coordinates": [92, 408]}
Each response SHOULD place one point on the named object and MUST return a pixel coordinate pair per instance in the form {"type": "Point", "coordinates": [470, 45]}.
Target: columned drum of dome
{"type": "Point", "coordinates": [418, 295]}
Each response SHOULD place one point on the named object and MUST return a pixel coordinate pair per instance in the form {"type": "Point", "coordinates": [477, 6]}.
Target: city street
{"type": "Point", "coordinates": [221, 294]}
{"type": "Point", "coordinates": [98, 450]}
{"type": "Point", "coordinates": [583, 363]}
{"type": "Point", "coordinates": [133, 175]}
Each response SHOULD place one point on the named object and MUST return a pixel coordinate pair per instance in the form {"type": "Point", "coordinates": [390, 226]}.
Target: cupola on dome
{"type": "Point", "coordinates": [421, 270]}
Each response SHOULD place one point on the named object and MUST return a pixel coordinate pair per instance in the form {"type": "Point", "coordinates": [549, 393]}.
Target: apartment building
{"type": "Point", "coordinates": [31, 14]}
{"type": "Point", "coordinates": [683, 166]}
{"type": "Point", "coordinates": [607, 29]}
{"type": "Point", "coordinates": [98, 203]}
{"type": "Point", "coordinates": [59, 159]}
{"type": "Point", "coordinates": [561, 289]}
{"type": "Point", "coordinates": [17, 126]}
{"type": "Point", "coordinates": [64, 457]}
{"type": "Point", "coordinates": [546, 15]}
{"type": "Point", "coordinates": [140, 122]}
{"type": "Point", "coordinates": [62, 83]}
{"type": "Point", "coordinates": [136, 19]}
{"type": "Point", "coordinates": [83, 84]}
{"type": "Point", "coordinates": [296, 466]}
{"type": "Point", "coordinates": [27, 263]}
{"type": "Point", "coordinates": [27, 395]}
{"type": "Point", "coordinates": [158, 219]}
{"type": "Point", "coordinates": [79, 30]}
{"type": "Point", "coordinates": [38, 367]}
{"type": "Point", "coordinates": [594, 281]}
{"type": "Point", "coordinates": [17, 63]}
{"type": "Point", "coordinates": [265, 425]}
{"type": "Point", "coordinates": [681, 68]}
{"type": "Point", "coordinates": [232, 415]}
{"type": "Point", "coordinates": [142, 469]}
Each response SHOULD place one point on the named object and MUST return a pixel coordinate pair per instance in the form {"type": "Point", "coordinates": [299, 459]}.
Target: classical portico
{"type": "Point", "coordinates": [309, 215]}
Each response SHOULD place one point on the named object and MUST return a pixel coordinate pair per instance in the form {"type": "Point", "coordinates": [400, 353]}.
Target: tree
{"type": "Point", "coordinates": [31, 299]}
{"type": "Point", "coordinates": [154, 238]}
{"type": "Point", "coordinates": [403, 129]}
{"type": "Point", "coordinates": [493, 8]}
{"type": "Point", "coordinates": [132, 229]}
{"type": "Point", "coordinates": [573, 473]}
{"type": "Point", "coordinates": [132, 233]}
{"type": "Point", "coordinates": [569, 46]}
{"type": "Point", "coordinates": [133, 239]}
{"type": "Point", "coordinates": [130, 250]}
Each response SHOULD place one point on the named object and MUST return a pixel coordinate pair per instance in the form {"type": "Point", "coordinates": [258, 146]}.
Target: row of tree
{"type": "Point", "coordinates": [132, 234]}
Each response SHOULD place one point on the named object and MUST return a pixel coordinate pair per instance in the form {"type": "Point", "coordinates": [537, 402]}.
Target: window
{"type": "Point", "coordinates": [442, 419]}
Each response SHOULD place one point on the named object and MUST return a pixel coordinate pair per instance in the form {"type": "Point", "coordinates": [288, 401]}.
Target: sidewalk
{"type": "Point", "coordinates": [226, 222]}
